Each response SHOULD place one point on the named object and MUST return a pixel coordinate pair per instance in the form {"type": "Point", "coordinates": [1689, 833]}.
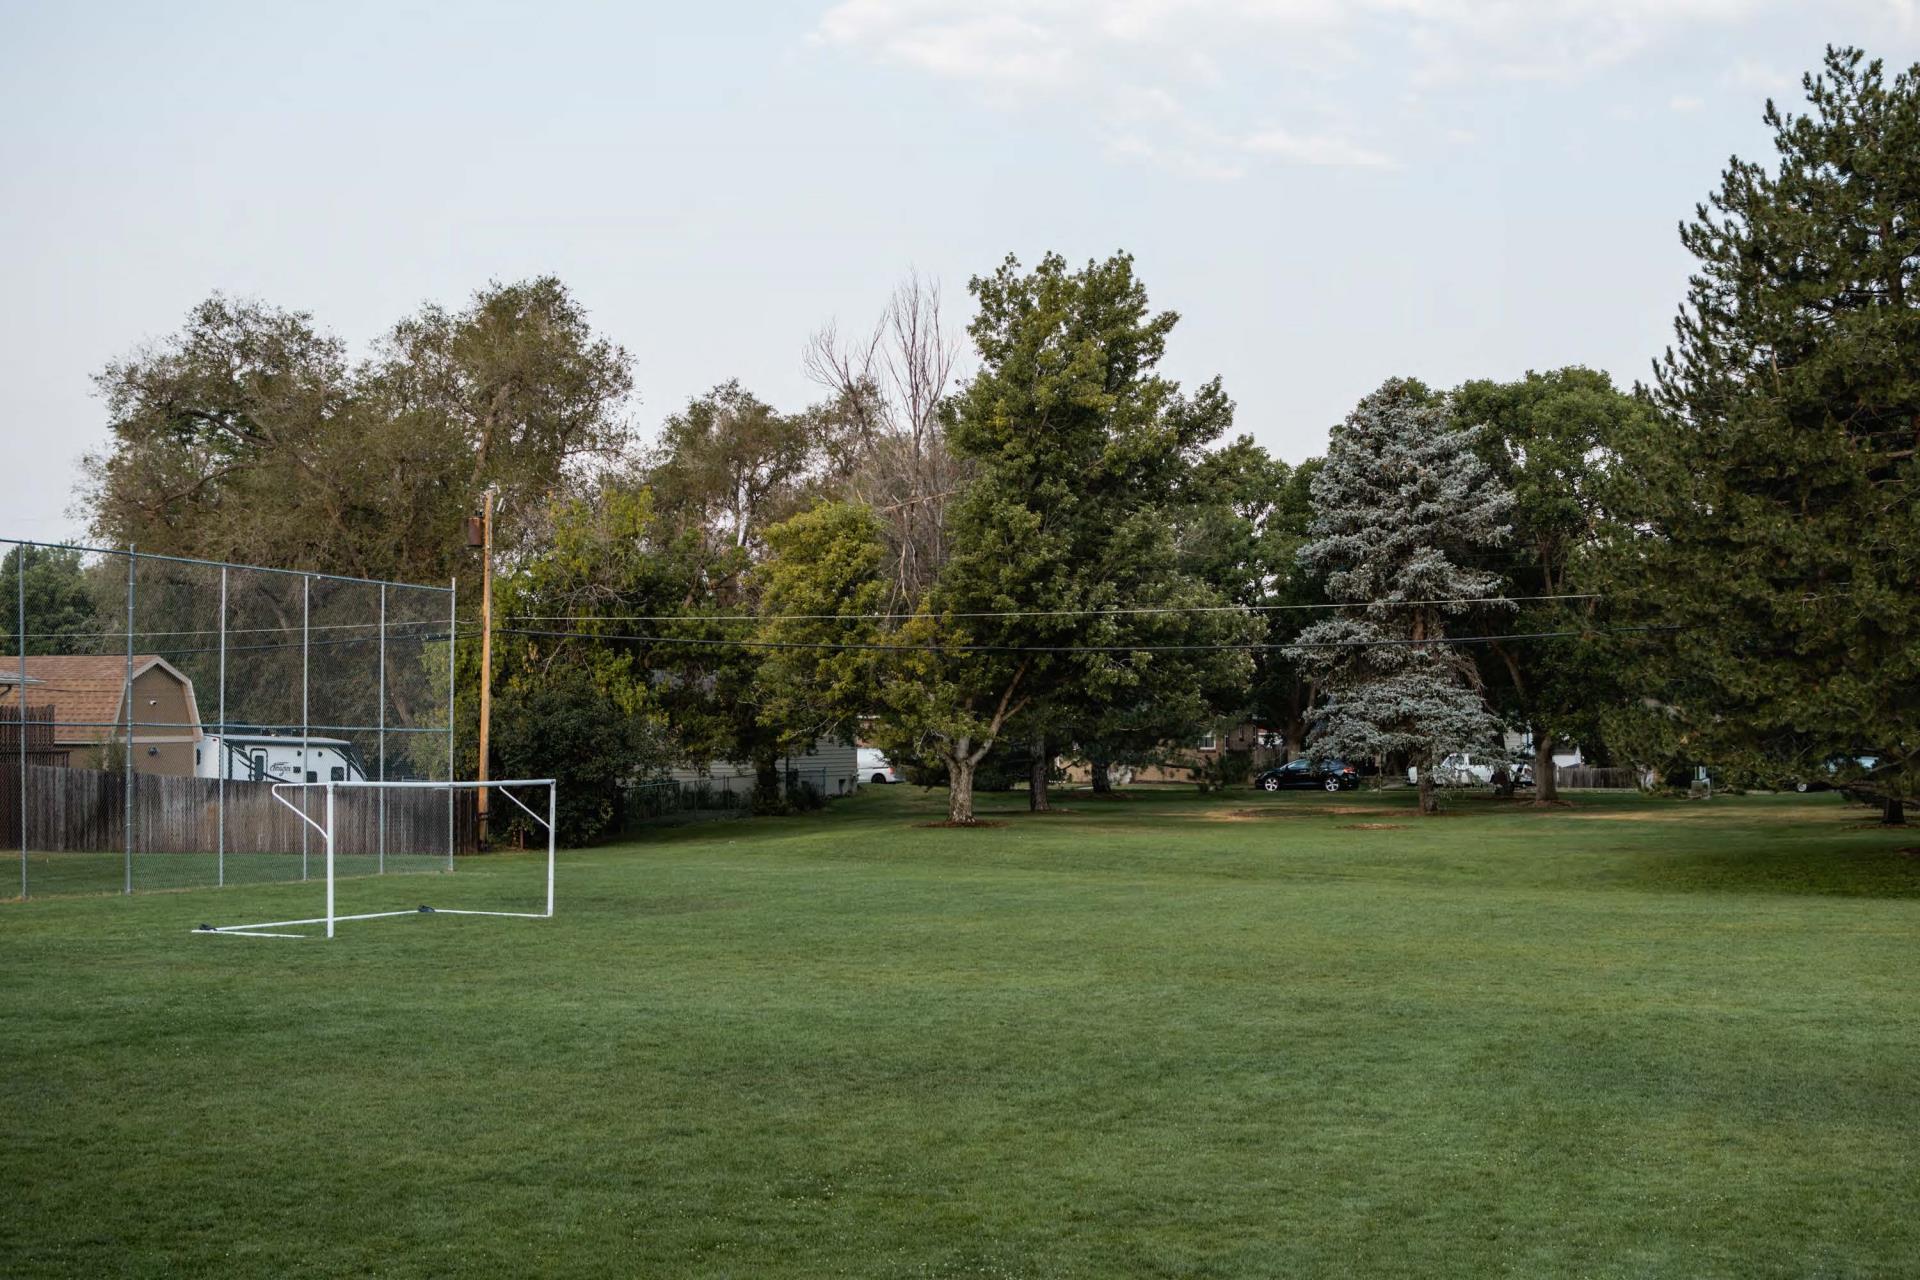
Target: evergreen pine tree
{"type": "Point", "coordinates": [1781, 503]}
{"type": "Point", "coordinates": [1401, 502]}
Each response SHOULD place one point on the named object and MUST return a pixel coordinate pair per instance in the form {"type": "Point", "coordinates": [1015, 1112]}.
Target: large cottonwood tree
{"type": "Point", "coordinates": [1551, 438]}
{"type": "Point", "coordinates": [250, 436]}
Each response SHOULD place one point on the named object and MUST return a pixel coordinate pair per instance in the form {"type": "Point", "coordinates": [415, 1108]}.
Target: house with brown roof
{"type": "Point", "coordinates": [87, 694]}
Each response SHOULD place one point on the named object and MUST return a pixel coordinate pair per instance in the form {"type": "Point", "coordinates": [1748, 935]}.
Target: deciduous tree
{"type": "Point", "coordinates": [1248, 514]}
{"type": "Point", "coordinates": [62, 615]}
{"type": "Point", "coordinates": [885, 427]}
{"type": "Point", "coordinates": [248, 436]}
{"type": "Point", "coordinates": [1077, 441]}
{"type": "Point", "coordinates": [1550, 438]}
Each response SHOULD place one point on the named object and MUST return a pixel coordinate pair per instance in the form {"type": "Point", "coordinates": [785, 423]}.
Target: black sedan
{"type": "Point", "coordinates": [1328, 775]}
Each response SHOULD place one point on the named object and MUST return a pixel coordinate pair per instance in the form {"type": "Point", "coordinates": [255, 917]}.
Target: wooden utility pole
{"type": "Point", "coordinates": [486, 655]}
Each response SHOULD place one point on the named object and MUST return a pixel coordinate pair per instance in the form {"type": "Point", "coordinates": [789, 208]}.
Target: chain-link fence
{"type": "Point", "coordinates": [149, 703]}
{"type": "Point", "coordinates": [647, 805]}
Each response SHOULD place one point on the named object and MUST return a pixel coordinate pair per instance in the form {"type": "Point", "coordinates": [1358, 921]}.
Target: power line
{"type": "Point", "coordinates": [850, 645]}
{"type": "Point", "coordinates": [293, 628]}
{"type": "Point", "coordinates": [425, 638]}
{"type": "Point", "coordinates": [1123, 611]}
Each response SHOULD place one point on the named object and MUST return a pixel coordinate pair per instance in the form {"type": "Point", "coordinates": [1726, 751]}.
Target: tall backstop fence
{"type": "Point", "coordinates": [148, 703]}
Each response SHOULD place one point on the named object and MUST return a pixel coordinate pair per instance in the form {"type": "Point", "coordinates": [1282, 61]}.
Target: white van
{"type": "Point", "coordinates": [875, 767]}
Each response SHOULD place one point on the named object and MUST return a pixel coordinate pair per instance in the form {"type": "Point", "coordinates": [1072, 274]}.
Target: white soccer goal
{"type": "Point", "coordinates": [330, 825]}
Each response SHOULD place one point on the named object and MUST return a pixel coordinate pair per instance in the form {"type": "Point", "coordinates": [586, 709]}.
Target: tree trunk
{"type": "Point", "coordinates": [1546, 782]}
{"type": "Point", "coordinates": [960, 789]}
{"type": "Point", "coordinates": [1429, 801]}
{"type": "Point", "coordinates": [1102, 781]}
{"type": "Point", "coordinates": [767, 797]}
{"type": "Point", "coordinates": [1893, 813]}
{"type": "Point", "coordinates": [1037, 780]}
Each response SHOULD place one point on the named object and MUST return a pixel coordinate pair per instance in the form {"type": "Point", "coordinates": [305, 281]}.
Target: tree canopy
{"type": "Point", "coordinates": [1043, 548]}
{"type": "Point", "coordinates": [249, 436]}
{"type": "Point", "coordinates": [1401, 507]}
{"type": "Point", "coordinates": [1775, 524]}
{"type": "Point", "coordinates": [1551, 439]}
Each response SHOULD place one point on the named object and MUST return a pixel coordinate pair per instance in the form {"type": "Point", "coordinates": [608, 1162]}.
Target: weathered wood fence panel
{"type": "Point", "coordinates": [37, 724]}
{"type": "Point", "coordinates": [85, 811]}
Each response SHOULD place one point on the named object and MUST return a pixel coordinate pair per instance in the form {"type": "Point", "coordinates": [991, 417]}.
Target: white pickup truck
{"type": "Point", "coordinates": [1472, 769]}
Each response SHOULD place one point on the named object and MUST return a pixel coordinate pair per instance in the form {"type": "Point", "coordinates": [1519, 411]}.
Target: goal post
{"type": "Point", "coordinates": [296, 797]}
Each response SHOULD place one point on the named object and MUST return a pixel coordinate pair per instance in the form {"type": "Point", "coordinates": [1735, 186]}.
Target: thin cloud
{"type": "Point", "coordinates": [1758, 77]}
{"type": "Point", "coordinates": [1317, 150]}
{"type": "Point", "coordinates": [1205, 86]}
{"type": "Point", "coordinates": [1000, 48]}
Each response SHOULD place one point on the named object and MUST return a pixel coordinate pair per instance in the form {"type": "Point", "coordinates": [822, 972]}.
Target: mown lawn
{"type": "Point", "coordinates": [1169, 1035]}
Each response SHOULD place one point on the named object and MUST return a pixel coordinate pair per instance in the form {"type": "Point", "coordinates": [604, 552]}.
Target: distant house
{"type": "Point", "coordinates": [830, 766]}
{"type": "Point", "coordinates": [1187, 762]}
{"type": "Point", "coordinates": [86, 694]}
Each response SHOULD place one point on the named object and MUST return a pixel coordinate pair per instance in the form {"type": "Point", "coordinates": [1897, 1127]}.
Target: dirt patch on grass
{"type": "Point", "coordinates": [975, 825]}
{"type": "Point", "coordinates": [1688, 815]}
{"type": "Point", "coordinates": [1294, 811]}
{"type": "Point", "coordinates": [1373, 826]}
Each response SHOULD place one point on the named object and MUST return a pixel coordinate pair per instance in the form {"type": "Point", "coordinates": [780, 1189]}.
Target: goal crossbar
{"type": "Point", "coordinates": [331, 918]}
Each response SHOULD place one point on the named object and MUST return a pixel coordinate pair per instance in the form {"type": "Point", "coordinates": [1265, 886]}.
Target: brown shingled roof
{"type": "Point", "coordinates": [84, 689]}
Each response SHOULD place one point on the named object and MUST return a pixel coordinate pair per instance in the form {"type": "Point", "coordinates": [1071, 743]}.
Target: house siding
{"type": "Point", "coordinates": [161, 705]}
{"type": "Point", "coordinates": [84, 695]}
{"type": "Point", "coordinates": [831, 765]}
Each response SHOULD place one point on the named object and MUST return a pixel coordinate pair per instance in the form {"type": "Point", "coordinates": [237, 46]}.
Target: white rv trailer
{"type": "Point", "coordinates": [273, 757]}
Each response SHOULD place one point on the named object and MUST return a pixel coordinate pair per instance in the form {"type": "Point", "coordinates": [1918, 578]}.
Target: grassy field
{"type": "Point", "coordinates": [1168, 1035]}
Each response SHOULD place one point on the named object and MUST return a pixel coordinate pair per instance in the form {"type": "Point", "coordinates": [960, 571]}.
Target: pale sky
{"type": "Point", "coordinates": [1330, 192]}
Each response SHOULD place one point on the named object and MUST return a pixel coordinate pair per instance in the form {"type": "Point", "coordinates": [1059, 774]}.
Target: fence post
{"type": "Point", "coordinates": [306, 748]}
{"type": "Point", "coordinates": [380, 740]}
{"type": "Point", "coordinates": [453, 632]}
{"type": "Point", "coordinates": [133, 561]}
{"type": "Point", "coordinates": [220, 755]}
{"type": "Point", "coordinates": [20, 635]}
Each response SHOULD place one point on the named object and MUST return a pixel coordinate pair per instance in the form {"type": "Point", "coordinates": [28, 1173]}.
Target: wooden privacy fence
{"type": "Point", "coordinates": [37, 724]}
{"type": "Point", "coordinates": [85, 811]}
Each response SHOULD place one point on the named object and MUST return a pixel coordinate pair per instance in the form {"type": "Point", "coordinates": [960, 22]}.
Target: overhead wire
{"type": "Point", "coordinates": [120, 633]}
{"type": "Point", "coordinates": [936, 647]}
{"type": "Point", "coordinates": [1122, 611]}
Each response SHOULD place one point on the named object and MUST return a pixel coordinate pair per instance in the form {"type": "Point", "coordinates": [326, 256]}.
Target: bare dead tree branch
{"type": "Point", "coordinates": [889, 393]}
